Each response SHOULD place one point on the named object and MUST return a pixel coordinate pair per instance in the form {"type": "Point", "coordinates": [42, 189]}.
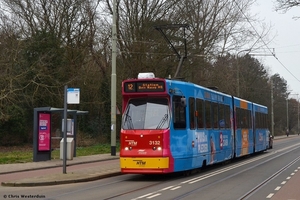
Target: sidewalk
{"type": "Point", "coordinates": [80, 174]}
{"type": "Point", "coordinates": [290, 190]}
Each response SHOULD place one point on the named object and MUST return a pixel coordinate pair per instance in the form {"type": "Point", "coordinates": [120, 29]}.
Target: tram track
{"type": "Point", "coordinates": [222, 170]}
{"type": "Point", "coordinates": [259, 186]}
{"type": "Point", "coordinates": [132, 191]}
{"type": "Point", "coordinates": [162, 181]}
{"type": "Point", "coordinates": [253, 190]}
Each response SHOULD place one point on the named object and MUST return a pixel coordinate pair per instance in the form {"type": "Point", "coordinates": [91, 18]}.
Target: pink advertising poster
{"type": "Point", "coordinates": [44, 132]}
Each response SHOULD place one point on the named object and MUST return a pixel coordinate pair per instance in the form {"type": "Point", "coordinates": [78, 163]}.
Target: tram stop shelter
{"type": "Point", "coordinates": [42, 130]}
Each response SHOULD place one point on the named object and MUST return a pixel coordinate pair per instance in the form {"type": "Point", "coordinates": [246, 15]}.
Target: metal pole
{"type": "Point", "coordinates": [113, 83]}
{"type": "Point", "coordinates": [287, 112]}
{"type": "Point", "coordinates": [298, 113]}
{"type": "Point", "coordinates": [238, 76]}
{"type": "Point", "coordinates": [65, 132]}
{"type": "Point", "coordinates": [272, 109]}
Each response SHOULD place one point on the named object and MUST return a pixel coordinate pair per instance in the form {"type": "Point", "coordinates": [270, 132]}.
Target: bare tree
{"type": "Point", "coordinates": [216, 29]}
{"type": "Point", "coordinates": [54, 45]}
{"type": "Point", "coordinates": [56, 35]}
{"type": "Point", "coordinates": [10, 74]}
{"type": "Point", "coordinates": [286, 5]}
{"type": "Point", "coordinates": [141, 47]}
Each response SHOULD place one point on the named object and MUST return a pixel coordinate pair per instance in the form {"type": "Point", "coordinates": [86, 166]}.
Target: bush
{"type": "Point", "coordinates": [13, 130]}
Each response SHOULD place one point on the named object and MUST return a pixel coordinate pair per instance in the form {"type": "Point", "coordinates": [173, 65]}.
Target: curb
{"type": "Point", "coordinates": [59, 182]}
{"type": "Point", "coordinates": [54, 166]}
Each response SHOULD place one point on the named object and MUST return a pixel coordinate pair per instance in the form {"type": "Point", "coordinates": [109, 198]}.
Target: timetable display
{"type": "Point", "coordinates": [144, 86]}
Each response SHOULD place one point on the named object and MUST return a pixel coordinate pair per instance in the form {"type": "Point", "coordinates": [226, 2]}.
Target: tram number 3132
{"type": "Point", "coordinates": [154, 142]}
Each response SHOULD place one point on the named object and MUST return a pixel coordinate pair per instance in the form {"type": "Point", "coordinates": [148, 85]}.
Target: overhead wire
{"type": "Point", "coordinates": [269, 49]}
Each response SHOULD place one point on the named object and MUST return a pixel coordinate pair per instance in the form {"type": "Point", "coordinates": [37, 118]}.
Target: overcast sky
{"type": "Point", "coordinates": [286, 43]}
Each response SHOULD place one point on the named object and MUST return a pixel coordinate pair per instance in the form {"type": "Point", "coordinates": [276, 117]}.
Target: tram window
{"type": "Point", "coordinates": [192, 112]}
{"type": "Point", "coordinates": [266, 121]}
{"type": "Point", "coordinates": [200, 111]}
{"type": "Point", "coordinates": [261, 120]}
{"type": "Point", "coordinates": [227, 116]}
{"type": "Point", "coordinates": [257, 125]}
{"type": "Point", "coordinates": [258, 120]}
{"type": "Point", "coordinates": [178, 113]}
{"type": "Point", "coordinates": [221, 115]}
{"type": "Point", "coordinates": [249, 119]}
{"type": "Point", "coordinates": [244, 119]}
{"type": "Point", "coordinates": [239, 118]}
{"type": "Point", "coordinates": [208, 114]}
{"type": "Point", "coordinates": [215, 115]}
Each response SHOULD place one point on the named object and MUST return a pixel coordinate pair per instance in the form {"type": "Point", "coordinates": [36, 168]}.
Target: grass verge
{"type": "Point", "coordinates": [26, 155]}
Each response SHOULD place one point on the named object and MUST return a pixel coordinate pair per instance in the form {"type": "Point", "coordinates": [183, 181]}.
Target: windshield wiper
{"type": "Point", "coordinates": [128, 120]}
{"type": "Point", "coordinates": [162, 121]}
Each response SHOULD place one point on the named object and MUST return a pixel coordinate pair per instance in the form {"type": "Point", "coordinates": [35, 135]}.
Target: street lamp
{"type": "Point", "coordinates": [113, 83]}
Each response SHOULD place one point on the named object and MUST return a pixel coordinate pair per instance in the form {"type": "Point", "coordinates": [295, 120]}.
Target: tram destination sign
{"type": "Point", "coordinates": [144, 86]}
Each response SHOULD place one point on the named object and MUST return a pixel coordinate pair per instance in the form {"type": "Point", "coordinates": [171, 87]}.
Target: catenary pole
{"type": "Point", "coordinates": [113, 83]}
{"type": "Point", "coordinates": [65, 131]}
{"type": "Point", "coordinates": [272, 109]}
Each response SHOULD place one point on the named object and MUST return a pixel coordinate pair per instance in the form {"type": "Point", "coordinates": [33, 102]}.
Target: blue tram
{"type": "Point", "coordinates": [171, 126]}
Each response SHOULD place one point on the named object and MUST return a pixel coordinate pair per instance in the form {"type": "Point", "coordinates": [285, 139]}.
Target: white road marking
{"type": "Point", "coordinates": [199, 178]}
{"type": "Point", "coordinates": [158, 194]}
{"type": "Point", "coordinates": [166, 188]}
{"type": "Point", "coordinates": [175, 188]}
{"type": "Point", "coordinates": [270, 196]}
{"type": "Point", "coordinates": [140, 197]}
{"type": "Point", "coordinates": [277, 188]}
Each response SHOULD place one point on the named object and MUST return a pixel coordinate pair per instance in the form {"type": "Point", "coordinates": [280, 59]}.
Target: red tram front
{"type": "Point", "coordinates": [145, 133]}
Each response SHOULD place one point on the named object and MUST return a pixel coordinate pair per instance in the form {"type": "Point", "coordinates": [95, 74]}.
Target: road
{"type": "Point", "coordinates": [254, 177]}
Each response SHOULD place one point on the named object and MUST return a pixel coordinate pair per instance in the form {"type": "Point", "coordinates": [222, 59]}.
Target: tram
{"type": "Point", "coordinates": [172, 125]}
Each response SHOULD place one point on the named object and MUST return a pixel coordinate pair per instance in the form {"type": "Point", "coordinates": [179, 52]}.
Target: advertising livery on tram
{"type": "Point", "coordinates": [172, 125]}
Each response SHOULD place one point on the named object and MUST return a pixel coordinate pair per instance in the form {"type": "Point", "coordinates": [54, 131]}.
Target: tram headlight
{"type": "Point", "coordinates": [156, 148]}
{"type": "Point", "coordinates": [127, 148]}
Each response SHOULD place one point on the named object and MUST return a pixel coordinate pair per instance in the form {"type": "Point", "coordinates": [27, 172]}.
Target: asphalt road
{"type": "Point", "coordinates": [254, 177]}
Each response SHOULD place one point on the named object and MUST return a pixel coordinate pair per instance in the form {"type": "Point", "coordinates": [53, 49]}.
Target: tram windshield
{"type": "Point", "coordinates": [146, 113]}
